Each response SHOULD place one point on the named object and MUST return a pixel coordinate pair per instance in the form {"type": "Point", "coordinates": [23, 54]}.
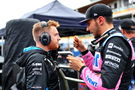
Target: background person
{"type": "Point", "coordinates": [127, 27]}
{"type": "Point", "coordinates": [39, 67]}
{"type": "Point", "coordinates": [111, 64]}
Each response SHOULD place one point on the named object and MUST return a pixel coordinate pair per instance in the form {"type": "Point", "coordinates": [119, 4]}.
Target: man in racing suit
{"type": "Point", "coordinates": [39, 67]}
{"type": "Point", "coordinates": [127, 27]}
{"type": "Point", "coordinates": [110, 67]}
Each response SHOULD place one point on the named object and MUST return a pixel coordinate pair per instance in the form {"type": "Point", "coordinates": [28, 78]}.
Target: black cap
{"type": "Point", "coordinates": [96, 11]}
{"type": "Point", "coordinates": [127, 24]}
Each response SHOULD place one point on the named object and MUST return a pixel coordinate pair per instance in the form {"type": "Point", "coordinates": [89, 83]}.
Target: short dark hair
{"type": "Point", "coordinates": [109, 19]}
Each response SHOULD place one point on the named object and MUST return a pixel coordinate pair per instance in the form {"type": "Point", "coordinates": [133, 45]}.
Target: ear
{"type": "Point", "coordinates": [101, 20]}
{"type": "Point", "coordinates": [123, 31]}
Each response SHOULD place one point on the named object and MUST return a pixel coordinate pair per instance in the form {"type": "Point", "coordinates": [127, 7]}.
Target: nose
{"type": "Point", "coordinates": [59, 38]}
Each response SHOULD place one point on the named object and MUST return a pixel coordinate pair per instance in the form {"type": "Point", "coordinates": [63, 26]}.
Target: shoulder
{"type": "Point", "coordinates": [35, 58]}
{"type": "Point", "coordinates": [115, 37]}
{"type": "Point", "coordinates": [119, 45]}
{"type": "Point", "coordinates": [118, 40]}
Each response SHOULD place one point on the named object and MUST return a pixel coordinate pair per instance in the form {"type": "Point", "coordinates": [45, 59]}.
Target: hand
{"type": "Point", "coordinates": [75, 62]}
{"type": "Point", "coordinates": [79, 44]}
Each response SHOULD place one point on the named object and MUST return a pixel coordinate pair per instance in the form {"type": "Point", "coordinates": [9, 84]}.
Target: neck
{"type": "Point", "coordinates": [106, 28]}
{"type": "Point", "coordinates": [45, 48]}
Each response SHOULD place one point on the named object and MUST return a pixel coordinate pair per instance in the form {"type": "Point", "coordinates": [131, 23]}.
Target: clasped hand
{"type": "Point", "coordinates": [75, 62]}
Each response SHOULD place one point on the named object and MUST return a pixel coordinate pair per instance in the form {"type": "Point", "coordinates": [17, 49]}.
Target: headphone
{"type": "Point", "coordinates": [45, 37]}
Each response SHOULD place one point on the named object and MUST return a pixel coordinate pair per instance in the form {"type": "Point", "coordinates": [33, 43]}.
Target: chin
{"type": "Point", "coordinates": [55, 48]}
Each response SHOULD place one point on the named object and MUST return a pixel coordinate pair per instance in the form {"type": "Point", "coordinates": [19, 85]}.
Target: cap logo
{"type": "Point", "coordinates": [95, 14]}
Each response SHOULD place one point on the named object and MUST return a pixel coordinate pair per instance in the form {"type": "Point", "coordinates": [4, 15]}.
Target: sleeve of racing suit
{"type": "Point", "coordinates": [114, 57]}
{"type": "Point", "coordinates": [36, 76]}
{"type": "Point", "coordinates": [88, 59]}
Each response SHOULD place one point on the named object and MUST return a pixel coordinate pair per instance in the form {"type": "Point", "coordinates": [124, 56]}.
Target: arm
{"type": "Point", "coordinates": [114, 63]}
{"type": "Point", "coordinates": [88, 59]}
{"type": "Point", "coordinates": [87, 56]}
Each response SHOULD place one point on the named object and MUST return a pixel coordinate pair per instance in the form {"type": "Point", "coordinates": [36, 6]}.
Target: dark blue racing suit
{"type": "Point", "coordinates": [39, 68]}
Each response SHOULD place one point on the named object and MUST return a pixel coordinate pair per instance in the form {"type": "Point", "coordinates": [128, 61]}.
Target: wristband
{"type": "Point", "coordinates": [81, 69]}
{"type": "Point", "coordinates": [84, 52]}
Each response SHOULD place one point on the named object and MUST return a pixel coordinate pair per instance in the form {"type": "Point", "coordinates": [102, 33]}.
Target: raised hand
{"type": "Point", "coordinates": [79, 44]}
